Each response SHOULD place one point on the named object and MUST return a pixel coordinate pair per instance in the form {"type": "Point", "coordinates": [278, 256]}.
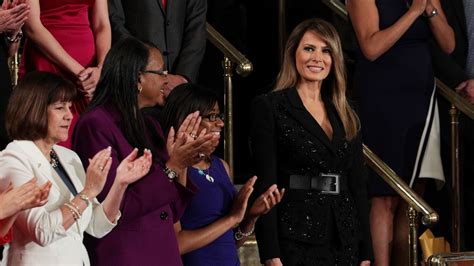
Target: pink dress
{"type": "Point", "coordinates": [68, 22]}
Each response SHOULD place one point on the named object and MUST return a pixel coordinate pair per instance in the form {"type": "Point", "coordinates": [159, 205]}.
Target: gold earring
{"type": "Point", "coordinates": [140, 88]}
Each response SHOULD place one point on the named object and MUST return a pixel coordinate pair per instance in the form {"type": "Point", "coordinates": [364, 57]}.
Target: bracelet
{"type": "Point", "coordinates": [16, 38]}
{"type": "Point", "coordinates": [238, 235]}
{"type": "Point", "coordinates": [74, 212]}
{"type": "Point", "coordinates": [433, 13]}
{"type": "Point", "coordinates": [75, 207]}
{"type": "Point", "coordinates": [85, 198]}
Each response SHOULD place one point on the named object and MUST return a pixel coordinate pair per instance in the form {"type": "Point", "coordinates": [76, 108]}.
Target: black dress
{"type": "Point", "coordinates": [397, 104]}
{"type": "Point", "coordinates": [308, 227]}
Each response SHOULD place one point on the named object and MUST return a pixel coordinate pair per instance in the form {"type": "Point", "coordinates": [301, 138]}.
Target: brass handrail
{"type": "Point", "coordinates": [460, 102]}
{"type": "Point", "coordinates": [337, 7]}
{"type": "Point", "coordinates": [430, 217]}
{"type": "Point", "coordinates": [444, 259]}
{"type": "Point", "coordinates": [244, 66]}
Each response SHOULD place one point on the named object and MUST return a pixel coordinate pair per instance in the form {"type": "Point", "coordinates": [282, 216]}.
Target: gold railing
{"type": "Point", "coordinates": [445, 259]}
{"type": "Point", "coordinates": [430, 217]}
{"type": "Point", "coordinates": [458, 103]}
{"type": "Point", "coordinates": [244, 67]}
{"type": "Point", "coordinates": [14, 64]}
{"type": "Point", "coordinates": [415, 203]}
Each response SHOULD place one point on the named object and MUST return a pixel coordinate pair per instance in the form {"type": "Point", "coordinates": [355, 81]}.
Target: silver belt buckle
{"type": "Point", "coordinates": [336, 189]}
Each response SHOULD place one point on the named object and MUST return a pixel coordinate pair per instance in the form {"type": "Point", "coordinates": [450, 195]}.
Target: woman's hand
{"type": "Point", "coordinates": [88, 79]}
{"type": "Point", "coordinates": [26, 196]}
{"type": "Point", "coordinates": [241, 200]}
{"type": "Point", "coordinates": [419, 6]}
{"type": "Point", "coordinates": [97, 172]}
{"type": "Point", "coordinates": [13, 16]}
{"type": "Point", "coordinates": [273, 262]}
{"type": "Point", "coordinates": [132, 168]}
{"type": "Point", "coordinates": [365, 263]}
{"type": "Point", "coordinates": [185, 146]}
{"type": "Point", "coordinates": [266, 201]}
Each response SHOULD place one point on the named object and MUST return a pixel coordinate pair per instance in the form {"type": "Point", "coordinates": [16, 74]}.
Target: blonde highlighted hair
{"type": "Point", "coordinates": [289, 76]}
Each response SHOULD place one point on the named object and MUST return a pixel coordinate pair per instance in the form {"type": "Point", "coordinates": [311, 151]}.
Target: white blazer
{"type": "Point", "coordinates": [38, 235]}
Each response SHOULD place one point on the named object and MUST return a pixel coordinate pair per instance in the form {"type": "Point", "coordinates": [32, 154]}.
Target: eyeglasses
{"type": "Point", "coordinates": [158, 72]}
{"type": "Point", "coordinates": [213, 117]}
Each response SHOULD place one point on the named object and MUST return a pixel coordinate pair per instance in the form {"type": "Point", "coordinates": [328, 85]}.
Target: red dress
{"type": "Point", "coordinates": [68, 22]}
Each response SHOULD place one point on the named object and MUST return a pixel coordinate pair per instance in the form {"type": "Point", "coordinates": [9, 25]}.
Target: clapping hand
{"type": "Point", "coordinates": [266, 201]}
{"type": "Point", "coordinates": [97, 172]}
{"type": "Point", "coordinates": [26, 196]}
{"type": "Point", "coordinates": [241, 200]}
{"type": "Point", "coordinates": [184, 146]}
{"type": "Point", "coordinates": [13, 15]}
{"type": "Point", "coordinates": [132, 168]}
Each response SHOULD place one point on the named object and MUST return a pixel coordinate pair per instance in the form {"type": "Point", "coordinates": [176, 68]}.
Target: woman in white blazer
{"type": "Point", "coordinates": [38, 117]}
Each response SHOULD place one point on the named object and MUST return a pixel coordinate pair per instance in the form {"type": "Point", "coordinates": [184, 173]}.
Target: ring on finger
{"type": "Point", "coordinates": [194, 136]}
{"type": "Point", "coordinates": [101, 168]}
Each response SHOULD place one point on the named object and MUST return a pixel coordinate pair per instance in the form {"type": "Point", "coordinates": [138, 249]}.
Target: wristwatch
{"type": "Point", "coordinates": [172, 174]}
{"type": "Point", "coordinates": [85, 198]}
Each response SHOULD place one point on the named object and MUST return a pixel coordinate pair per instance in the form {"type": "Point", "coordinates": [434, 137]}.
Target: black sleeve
{"type": "Point", "coordinates": [358, 187]}
{"type": "Point", "coordinates": [194, 40]}
{"type": "Point", "coordinates": [264, 156]}
{"type": "Point", "coordinates": [117, 20]}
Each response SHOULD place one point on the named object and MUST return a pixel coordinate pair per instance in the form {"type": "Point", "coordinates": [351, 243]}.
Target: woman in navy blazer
{"type": "Point", "coordinates": [132, 78]}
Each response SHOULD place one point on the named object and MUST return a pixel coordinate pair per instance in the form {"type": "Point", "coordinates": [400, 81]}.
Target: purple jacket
{"type": "Point", "coordinates": [144, 234]}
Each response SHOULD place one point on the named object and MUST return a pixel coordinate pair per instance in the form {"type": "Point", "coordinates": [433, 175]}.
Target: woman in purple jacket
{"type": "Point", "coordinates": [132, 78]}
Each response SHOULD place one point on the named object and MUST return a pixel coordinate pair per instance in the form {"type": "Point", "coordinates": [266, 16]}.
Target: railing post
{"type": "Point", "coordinates": [413, 236]}
{"type": "Point", "coordinates": [14, 68]}
{"type": "Point", "coordinates": [455, 188]}
{"type": "Point", "coordinates": [281, 28]}
{"type": "Point", "coordinates": [227, 65]}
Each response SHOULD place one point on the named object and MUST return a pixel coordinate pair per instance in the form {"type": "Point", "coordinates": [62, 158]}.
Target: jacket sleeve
{"type": "Point", "coordinates": [117, 20]}
{"type": "Point", "coordinates": [151, 192]}
{"type": "Point", "coordinates": [264, 156]}
{"type": "Point", "coordinates": [194, 40]}
{"type": "Point", "coordinates": [42, 224]}
{"type": "Point", "coordinates": [358, 187]}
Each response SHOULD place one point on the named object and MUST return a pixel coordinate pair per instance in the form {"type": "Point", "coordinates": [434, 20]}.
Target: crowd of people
{"type": "Point", "coordinates": [109, 144]}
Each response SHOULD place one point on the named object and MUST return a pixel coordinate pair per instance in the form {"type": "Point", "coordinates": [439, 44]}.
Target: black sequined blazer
{"type": "Point", "coordinates": [286, 140]}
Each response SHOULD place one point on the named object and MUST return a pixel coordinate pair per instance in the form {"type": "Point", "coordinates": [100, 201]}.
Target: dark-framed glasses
{"type": "Point", "coordinates": [158, 72]}
{"type": "Point", "coordinates": [213, 117]}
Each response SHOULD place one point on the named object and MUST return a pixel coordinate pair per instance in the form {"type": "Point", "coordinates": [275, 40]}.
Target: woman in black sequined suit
{"type": "Point", "coordinates": [304, 137]}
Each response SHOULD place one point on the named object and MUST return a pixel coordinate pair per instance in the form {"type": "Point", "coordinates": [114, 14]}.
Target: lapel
{"type": "Point", "coordinates": [68, 164]}
{"type": "Point", "coordinates": [41, 166]}
{"type": "Point", "coordinates": [162, 9]}
{"type": "Point", "coordinates": [302, 116]}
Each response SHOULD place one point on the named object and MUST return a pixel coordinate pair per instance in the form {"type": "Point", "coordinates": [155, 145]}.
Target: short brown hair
{"type": "Point", "coordinates": [27, 112]}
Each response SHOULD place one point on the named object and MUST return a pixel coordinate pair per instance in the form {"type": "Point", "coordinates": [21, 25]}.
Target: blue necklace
{"type": "Point", "coordinates": [206, 175]}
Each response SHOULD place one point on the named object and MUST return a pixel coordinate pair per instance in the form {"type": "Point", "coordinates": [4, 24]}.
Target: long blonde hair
{"type": "Point", "coordinates": [289, 76]}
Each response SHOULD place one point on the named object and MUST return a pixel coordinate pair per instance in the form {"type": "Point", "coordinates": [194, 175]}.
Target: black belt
{"type": "Point", "coordinates": [324, 183]}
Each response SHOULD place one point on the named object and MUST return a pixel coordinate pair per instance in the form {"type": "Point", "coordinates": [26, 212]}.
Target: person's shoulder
{"type": "Point", "coordinates": [271, 98]}
{"type": "Point", "coordinates": [98, 117]}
